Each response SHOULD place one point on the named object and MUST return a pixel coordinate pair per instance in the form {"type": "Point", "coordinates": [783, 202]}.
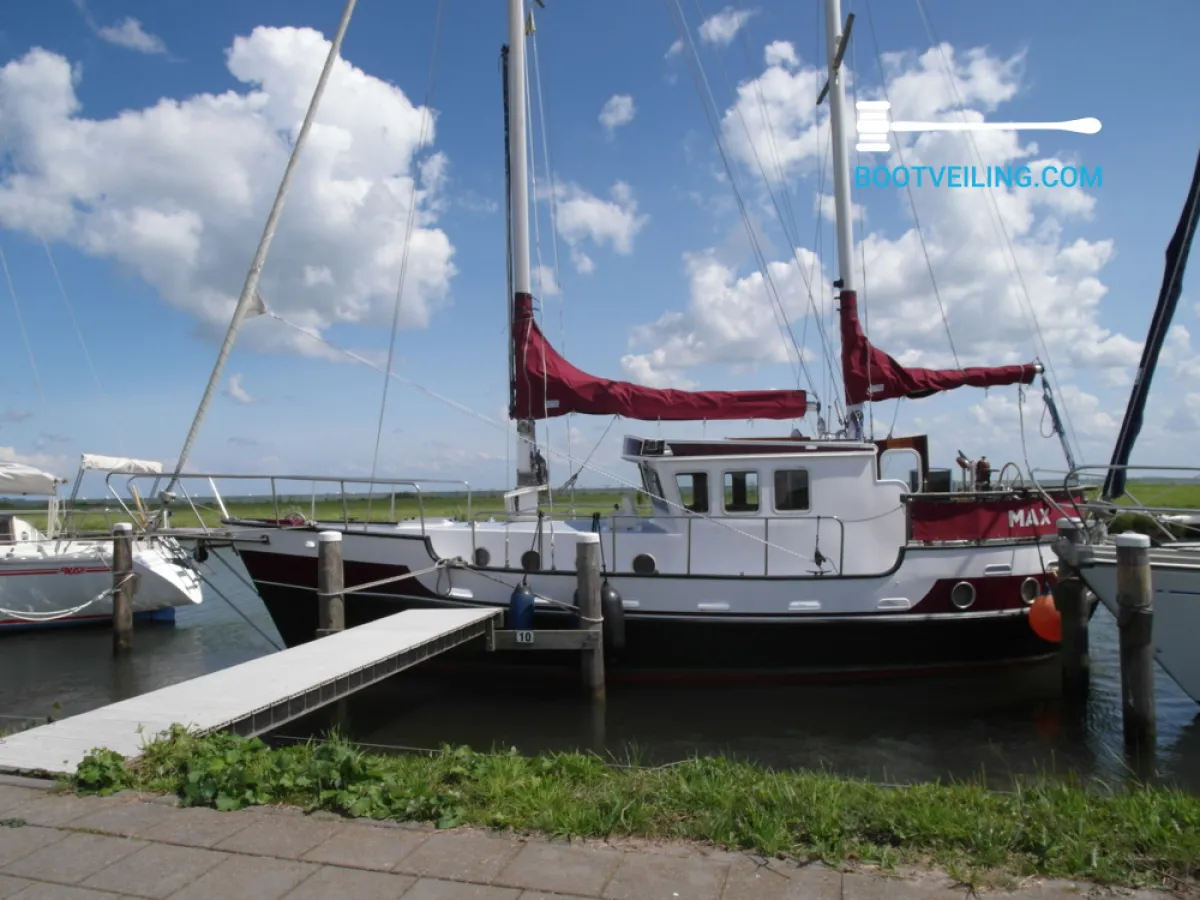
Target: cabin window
{"type": "Point", "coordinates": [693, 491]}
{"type": "Point", "coordinates": [791, 490]}
{"type": "Point", "coordinates": [741, 492]}
{"type": "Point", "coordinates": [653, 487]}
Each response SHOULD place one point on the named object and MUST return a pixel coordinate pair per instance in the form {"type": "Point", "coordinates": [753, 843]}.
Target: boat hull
{"type": "Point", "coordinates": [668, 634]}
{"type": "Point", "coordinates": [1175, 578]}
{"type": "Point", "coordinates": [54, 583]}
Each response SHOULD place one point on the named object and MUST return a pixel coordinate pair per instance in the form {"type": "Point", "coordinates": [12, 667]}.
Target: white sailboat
{"type": "Point", "coordinates": [61, 576]}
{"type": "Point", "coordinates": [760, 557]}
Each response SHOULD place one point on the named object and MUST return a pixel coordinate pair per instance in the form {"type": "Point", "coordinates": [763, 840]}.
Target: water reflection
{"type": "Point", "coordinates": [997, 723]}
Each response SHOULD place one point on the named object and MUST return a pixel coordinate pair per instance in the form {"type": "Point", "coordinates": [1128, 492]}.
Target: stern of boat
{"type": "Point", "coordinates": [166, 576]}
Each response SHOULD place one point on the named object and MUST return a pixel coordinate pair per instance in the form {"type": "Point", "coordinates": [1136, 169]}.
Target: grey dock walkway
{"type": "Point", "coordinates": [253, 697]}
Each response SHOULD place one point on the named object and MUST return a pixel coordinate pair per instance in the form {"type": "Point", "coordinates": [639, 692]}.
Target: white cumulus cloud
{"type": "Point", "coordinates": [584, 217]}
{"type": "Point", "coordinates": [130, 34]}
{"type": "Point", "coordinates": [236, 391]}
{"type": "Point", "coordinates": [722, 28]}
{"type": "Point", "coordinates": [618, 110]}
{"type": "Point", "coordinates": [731, 316]}
{"type": "Point", "coordinates": [178, 191]}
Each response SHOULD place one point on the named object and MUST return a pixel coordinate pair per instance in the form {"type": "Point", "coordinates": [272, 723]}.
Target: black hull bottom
{"type": "Point", "coordinates": [707, 650]}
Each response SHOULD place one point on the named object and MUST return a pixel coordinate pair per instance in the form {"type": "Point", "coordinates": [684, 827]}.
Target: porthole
{"type": "Point", "coordinates": [531, 560]}
{"type": "Point", "coordinates": [1030, 590]}
{"type": "Point", "coordinates": [644, 564]}
{"type": "Point", "coordinates": [963, 595]}
{"type": "Point", "coordinates": [482, 557]}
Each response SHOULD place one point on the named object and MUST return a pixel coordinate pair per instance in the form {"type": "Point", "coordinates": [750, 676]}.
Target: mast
{"type": "Point", "coordinates": [250, 303]}
{"type": "Point", "coordinates": [518, 188]}
{"type": "Point", "coordinates": [836, 40]}
{"type": "Point", "coordinates": [1168, 299]}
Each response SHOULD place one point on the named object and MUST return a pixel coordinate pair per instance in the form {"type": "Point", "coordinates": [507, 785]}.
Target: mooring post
{"type": "Point", "coordinates": [587, 571]}
{"type": "Point", "coordinates": [330, 584]}
{"type": "Point", "coordinates": [1135, 620]}
{"type": "Point", "coordinates": [122, 589]}
{"type": "Point", "coordinates": [1070, 598]}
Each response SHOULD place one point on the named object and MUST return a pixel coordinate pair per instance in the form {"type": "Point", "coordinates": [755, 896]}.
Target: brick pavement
{"type": "Point", "coordinates": [64, 847]}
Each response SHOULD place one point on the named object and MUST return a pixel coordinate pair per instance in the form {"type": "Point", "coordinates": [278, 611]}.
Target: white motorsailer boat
{"type": "Point", "coordinates": [64, 577]}
{"type": "Point", "coordinates": [760, 557]}
{"type": "Point", "coordinates": [1174, 564]}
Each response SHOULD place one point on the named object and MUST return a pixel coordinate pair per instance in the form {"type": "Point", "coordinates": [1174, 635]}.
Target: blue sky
{"type": "Point", "coordinates": [151, 188]}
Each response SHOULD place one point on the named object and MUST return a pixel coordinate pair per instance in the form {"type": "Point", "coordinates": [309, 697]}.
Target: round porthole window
{"type": "Point", "coordinates": [644, 564]}
{"type": "Point", "coordinates": [1029, 590]}
{"type": "Point", "coordinates": [963, 595]}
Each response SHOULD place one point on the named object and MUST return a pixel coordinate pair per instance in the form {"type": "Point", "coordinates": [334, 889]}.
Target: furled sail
{"type": "Point", "coordinates": [871, 375]}
{"type": "Point", "coordinates": [1168, 298]}
{"type": "Point", "coordinates": [545, 385]}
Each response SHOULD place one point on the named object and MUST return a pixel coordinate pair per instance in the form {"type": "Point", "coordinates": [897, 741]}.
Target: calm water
{"type": "Point", "coordinates": [1000, 723]}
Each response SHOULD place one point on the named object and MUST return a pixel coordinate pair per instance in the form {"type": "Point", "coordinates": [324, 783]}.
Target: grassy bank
{"type": "Point", "coordinates": [1046, 827]}
{"type": "Point", "coordinates": [97, 517]}
{"type": "Point", "coordinates": [91, 516]}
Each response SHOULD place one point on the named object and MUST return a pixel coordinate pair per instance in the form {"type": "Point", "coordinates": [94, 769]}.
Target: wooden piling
{"type": "Point", "coordinates": [330, 584]}
{"type": "Point", "coordinates": [122, 589]}
{"type": "Point", "coordinates": [1070, 598]}
{"type": "Point", "coordinates": [1135, 620]}
{"type": "Point", "coordinates": [587, 569]}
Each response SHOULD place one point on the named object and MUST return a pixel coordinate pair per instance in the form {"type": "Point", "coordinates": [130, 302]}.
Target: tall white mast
{"type": "Point", "coordinates": [518, 175]}
{"type": "Point", "coordinates": [841, 158]}
{"type": "Point", "coordinates": [843, 211]}
{"type": "Point", "coordinates": [518, 154]}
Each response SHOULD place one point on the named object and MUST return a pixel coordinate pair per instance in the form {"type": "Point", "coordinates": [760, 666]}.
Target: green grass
{"type": "Point", "coordinates": [1045, 827]}
{"type": "Point", "coordinates": [93, 517]}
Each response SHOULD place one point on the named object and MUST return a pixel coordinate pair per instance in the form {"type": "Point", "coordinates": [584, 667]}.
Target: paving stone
{"type": "Point", "coordinates": [751, 879]}
{"type": "Point", "coordinates": [366, 847]}
{"type": "Point", "coordinates": [10, 885]}
{"type": "Point", "coordinates": [646, 876]}
{"type": "Point", "coordinates": [538, 895]}
{"type": "Point", "coordinates": [248, 878]}
{"type": "Point", "coordinates": [199, 826]}
{"type": "Point", "coordinates": [18, 842]}
{"type": "Point", "coordinates": [53, 810]}
{"type": "Point", "coordinates": [132, 819]}
{"type": "Point", "coordinates": [272, 835]}
{"type": "Point", "coordinates": [436, 889]}
{"type": "Point", "coordinates": [74, 858]}
{"type": "Point", "coordinates": [560, 868]}
{"type": "Point", "coordinates": [43, 891]}
{"type": "Point", "coordinates": [156, 871]}
{"type": "Point", "coordinates": [918, 886]}
{"type": "Point", "coordinates": [352, 884]}
{"type": "Point", "coordinates": [461, 856]}
{"type": "Point", "coordinates": [14, 796]}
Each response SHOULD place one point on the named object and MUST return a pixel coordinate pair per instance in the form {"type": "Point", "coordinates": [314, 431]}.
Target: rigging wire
{"type": "Point", "coordinates": [552, 206]}
{"type": "Point", "coordinates": [12, 292]}
{"type": "Point", "coordinates": [537, 247]}
{"type": "Point", "coordinates": [702, 86]}
{"type": "Point", "coordinates": [912, 200]}
{"type": "Point", "coordinates": [82, 343]}
{"type": "Point", "coordinates": [997, 219]}
{"type": "Point", "coordinates": [792, 234]}
{"type": "Point", "coordinates": [426, 122]}
{"type": "Point", "coordinates": [512, 431]}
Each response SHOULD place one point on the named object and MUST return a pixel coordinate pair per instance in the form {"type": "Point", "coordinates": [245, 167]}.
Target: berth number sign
{"type": "Point", "coordinates": [524, 637]}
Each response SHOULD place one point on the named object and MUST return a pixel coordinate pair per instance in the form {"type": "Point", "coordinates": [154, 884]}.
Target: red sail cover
{"type": "Point", "coordinates": [548, 386]}
{"type": "Point", "coordinates": [872, 375]}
